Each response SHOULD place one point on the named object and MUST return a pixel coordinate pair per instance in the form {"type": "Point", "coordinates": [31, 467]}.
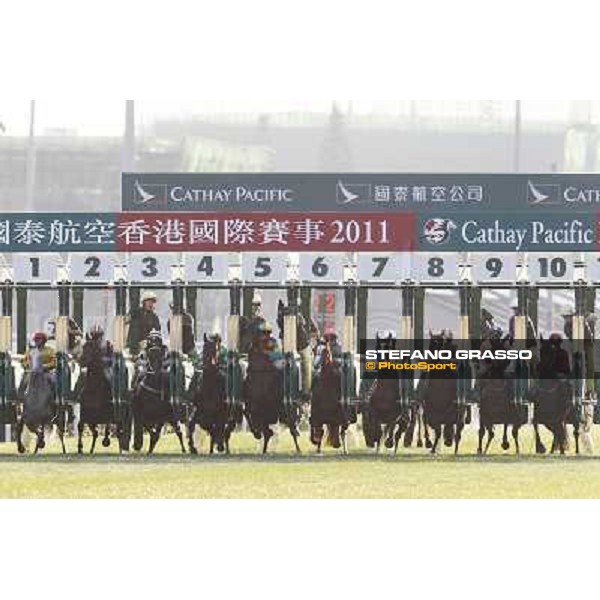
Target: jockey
{"type": "Point", "coordinates": [250, 328]}
{"type": "Point", "coordinates": [336, 349]}
{"type": "Point", "coordinates": [142, 321]}
{"type": "Point", "coordinates": [269, 345]}
{"type": "Point", "coordinates": [563, 366]}
{"type": "Point", "coordinates": [40, 351]}
{"type": "Point", "coordinates": [97, 333]}
{"type": "Point", "coordinates": [142, 366]}
{"type": "Point", "coordinates": [386, 340]}
{"type": "Point", "coordinates": [221, 350]}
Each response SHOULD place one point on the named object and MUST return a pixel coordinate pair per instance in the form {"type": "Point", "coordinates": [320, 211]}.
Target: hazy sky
{"type": "Point", "coordinates": [106, 117]}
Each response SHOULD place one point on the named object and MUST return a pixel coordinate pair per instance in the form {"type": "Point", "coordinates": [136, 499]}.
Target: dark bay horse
{"type": "Point", "coordinates": [262, 394]}
{"type": "Point", "coordinates": [438, 394]}
{"type": "Point", "coordinates": [209, 400]}
{"type": "Point", "coordinates": [96, 393]}
{"type": "Point", "coordinates": [552, 399]}
{"type": "Point", "coordinates": [383, 415]}
{"type": "Point", "coordinates": [326, 409]}
{"type": "Point", "coordinates": [497, 403]}
{"type": "Point", "coordinates": [151, 404]}
{"type": "Point", "coordinates": [39, 407]}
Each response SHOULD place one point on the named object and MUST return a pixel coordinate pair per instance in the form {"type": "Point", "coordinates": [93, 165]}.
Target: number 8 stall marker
{"type": "Point", "coordinates": [437, 267]}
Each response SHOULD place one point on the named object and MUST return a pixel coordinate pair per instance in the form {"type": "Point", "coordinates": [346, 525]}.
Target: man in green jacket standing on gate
{"type": "Point", "coordinates": [142, 320]}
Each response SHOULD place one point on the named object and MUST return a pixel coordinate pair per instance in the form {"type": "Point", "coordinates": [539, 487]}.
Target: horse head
{"type": "Point", "coordinates": [210, 350]}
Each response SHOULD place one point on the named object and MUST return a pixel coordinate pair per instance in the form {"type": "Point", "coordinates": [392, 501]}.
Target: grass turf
{"type": "Point", "coordinates": [413, 473]}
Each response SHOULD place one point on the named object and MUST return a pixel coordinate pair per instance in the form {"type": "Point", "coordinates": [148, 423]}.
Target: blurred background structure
{"type": "Point", "coordinates": [60, 155]}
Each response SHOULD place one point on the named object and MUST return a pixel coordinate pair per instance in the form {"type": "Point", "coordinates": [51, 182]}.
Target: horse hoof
{"type": "Point", "coordinates": [540, 449]}
{"type": "Point", "coordinates": [106, 442]}
{"type": "Point", "coordinates": [389, 444]}
{"type": "Point", "coordinates": [428, 444]}
{"type": "Point", "coordinates": [505, 445]}
{"type": "Point", "coordinates": [137, 447]}
{"type": "Point", "coordinates": [420, 444]}
{"type": "Point", "coordinates": [221, 447]}
{"type": "Point", "coordinates": [79, 450]}
{"type": "Point", "coordinates": [21, 449]}
{"type": "Point", "coordinates": [42, 445]}
{"type": "Point", "coordinates": [193, 450]}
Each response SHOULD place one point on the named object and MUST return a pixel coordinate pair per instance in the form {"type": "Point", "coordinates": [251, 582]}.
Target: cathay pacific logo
{"type": "Point", "coordinates": [352, 193]}
{"type": "Point", "coordinates": [149, 193]}
{"type": "Point", "coordinates": [543, 193]}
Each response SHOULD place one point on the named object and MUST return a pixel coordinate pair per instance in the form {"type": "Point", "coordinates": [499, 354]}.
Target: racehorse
{"type": "Point", "coordinates": [262, 394]}
{"type": "Point", "coordinates": [39, 407]}
{"type": "Point", "coordinates": [438, 395]}
{"type": "Point", "coordinates": [96, 394]}
{"type": "Point", "coordinates": [496, 401]}
{"type": "Point", "coordinates": [326, 409]}
{"type": "Point", "coordinates": [151, 404]}
{"type": "Point", "coordinates": [384, 416]}
{"type": "Point", "coordinates": [552, 401]}
{"type": "Point", "coordinates": [209, 400]}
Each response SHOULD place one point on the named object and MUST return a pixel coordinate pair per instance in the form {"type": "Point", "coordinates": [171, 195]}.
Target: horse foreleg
{"type": "Point", "coordinates": [106, 438]}
{"type": "Point", "coordinates": [61, 436]}
{"type": "Point", "coordinates": [80, 427]}
{"type": "Point", "coordinates": [491, 435]}
{"type": "Point", "coordinates": [343, 429]}
{"type": "Point", "coordinates": [19, 435]}
{"type": "Point", "coordinates": [177, 428]}
{"type": "Point", "coordinates": [295, 436]}
{"type": "Point", "coordinates": [481, 434]}
{"type": "Point", "coordinates": [505, 444]}
{"type": "Point", "coordinates": [39, 440]}
{"type": "Point", "coordinates": [428, 443]}
{"type": "Point", "coordinates": [515, 434]}
{"type": "Point", "coordinates": [94, 429]}
{"type": "Point", "coordinates": [389, 435]}
{"type": "Point", "coordinates": [190, 432]}
{"type": "Point", "coordinates": [458, 436]}
{"type": "Point", "coordinates": [267, 434]}
{"type": "Point", "coordinates": [539, 447]}
{"type": "Point", "coordinates": [576, 436]}
{"type": "Point", "coordinates": [154, 437]}
{"type": "Point", "coordinates": [437, 430]}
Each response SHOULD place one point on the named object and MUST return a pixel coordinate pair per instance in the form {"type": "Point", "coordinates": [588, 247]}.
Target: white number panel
{"type": "Point", "coordinates": [208, 268]}
{"type": "Point", "coordinates": [549, 267]}
{"type": "Point", "coordinates": [384, 267]}
{"type": "Point", "coordinates": [437, 267]}
{"type": "Point", "coordinates": [321, 267]}
{"type": "Point", "coordinates": [493, 267]}
{"type": "Point", "coordinates": [92, 267]}
{"type": "Point", "coordinates": [35, 268]}
{"type": "Point", "coordinates": [270, 267]}
{"type": "Point", "coordinates": [149, 267]}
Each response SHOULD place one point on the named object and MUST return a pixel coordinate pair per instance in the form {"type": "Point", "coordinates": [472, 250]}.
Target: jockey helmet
{"type": "Point", "coordinates": [214, 338]}
{"type": "Point", "coordinates": [96, 331]}
{"type": "Point", "coordinates": [556, 338]}
{"type": "Point", "coordinates": [386, 334]}
{"type": "Point", "coordinates": [149, 295]}
{"type": "Point", "coordinates": [330, 336]}
{"type": "Point", "coordinates": [265, 327]}
{"type": "Point", "coordinates": [154, 337]}
{"type": "Point", "coordinates": [40, 336]}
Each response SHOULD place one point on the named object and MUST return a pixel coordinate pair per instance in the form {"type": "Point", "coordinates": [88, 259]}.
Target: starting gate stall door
{"type": "Point", "coordinates": [442, 306]}
{"type": "Point", "coordinates": [36, 302]}
{"type": "Point", "coordinates": [207, 272]}
{"type": "Point", "coordinates": [323, 274]}
{"type": "Point", "coordinates": [92, 273]}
